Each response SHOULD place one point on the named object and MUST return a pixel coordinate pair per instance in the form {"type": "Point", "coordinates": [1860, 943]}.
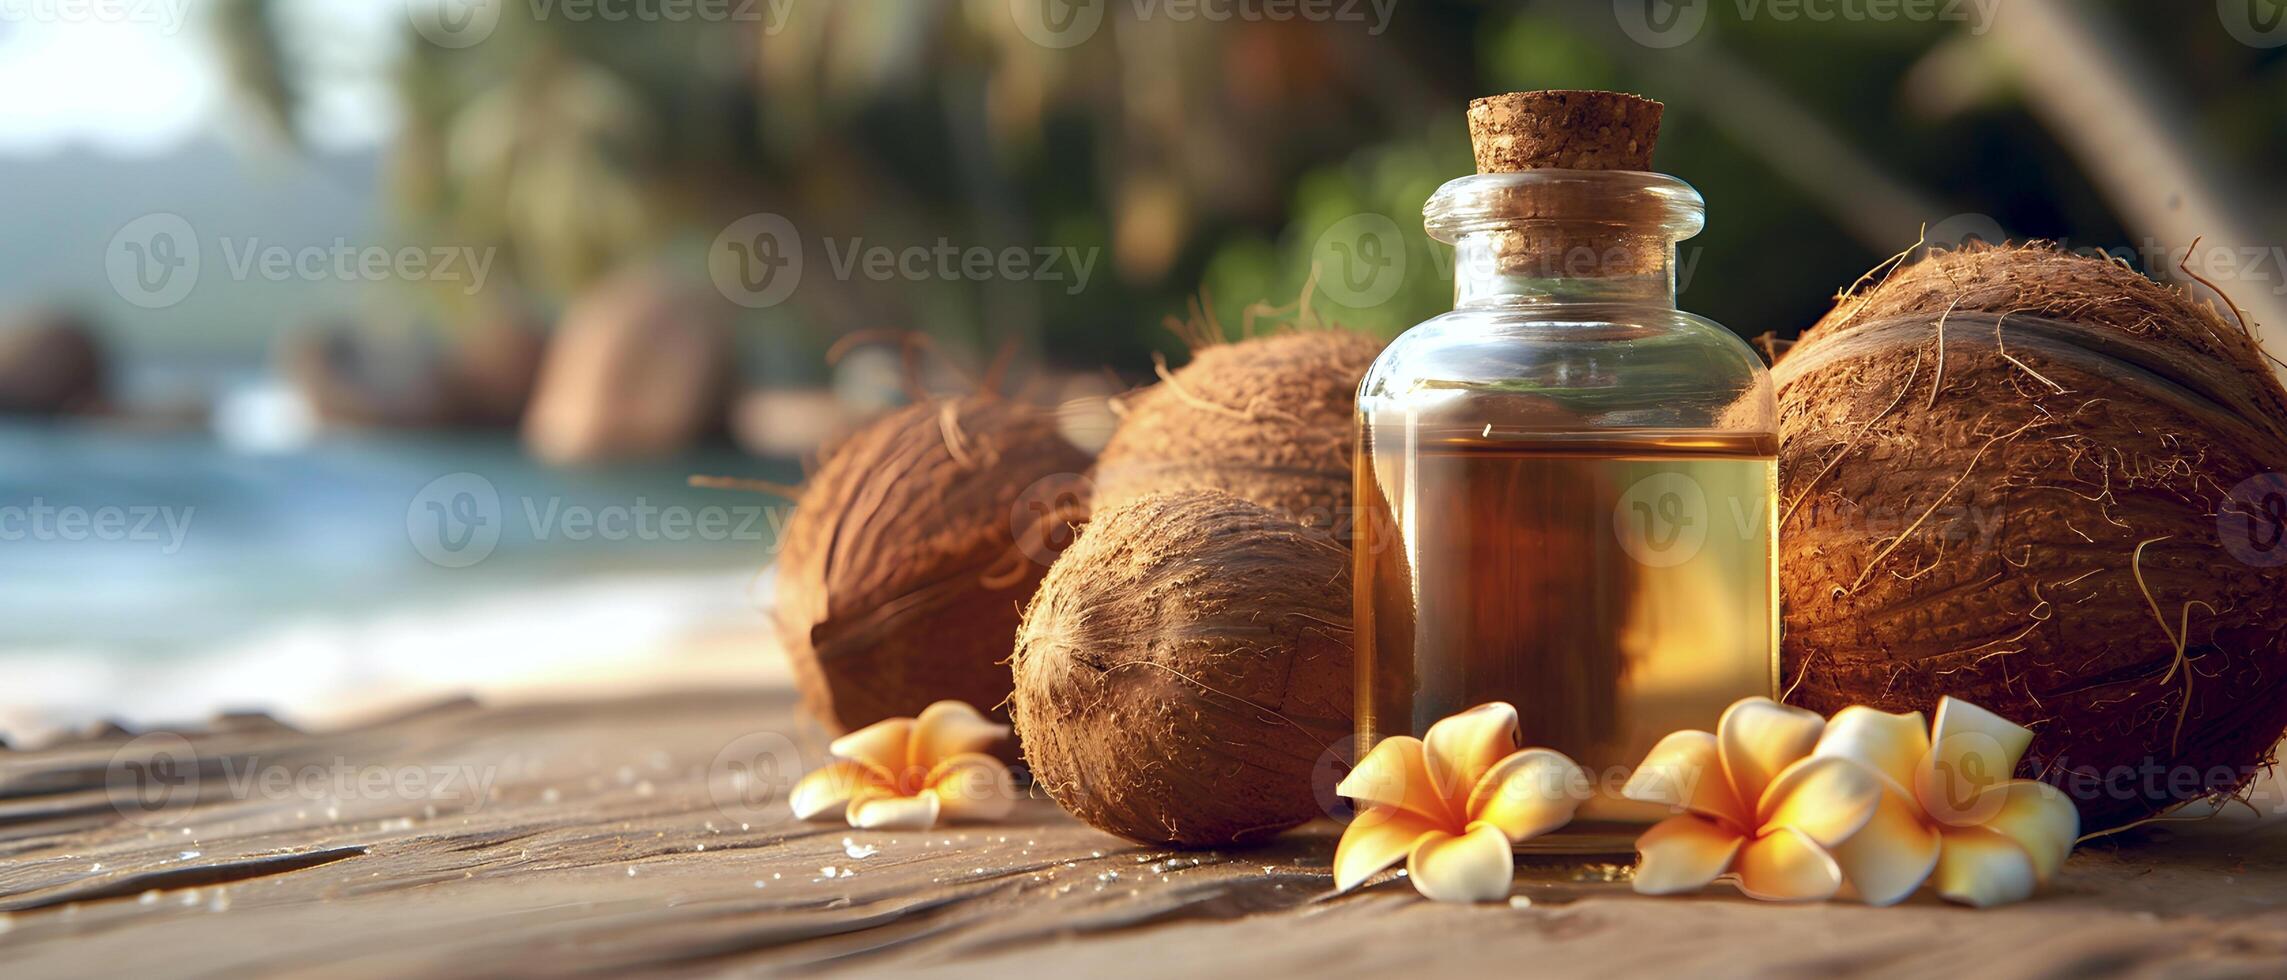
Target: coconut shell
{"type": "Point", "coordinates": [640, 366]}
{"type": "Point", "coordinates": [2028, 508]}
{"type": "Point", "coordinates": [51, 363]}
{"type": "Point", "coordinates": [1270, 419]}
{"type": "Point", "coordinates": [1184, 669]}
{"type": "Point", "coordinates": [909, 558]}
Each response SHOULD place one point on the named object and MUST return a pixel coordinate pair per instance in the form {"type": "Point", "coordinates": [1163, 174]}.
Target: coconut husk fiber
{"type": "Point", "coordinates": [2006, 474]}
{"type": "Point", "coordinates": [1270, 419]}
{"type": "Point", "coordinates": [912, 551]}
{"type": "Point", "coordinates": [1185, 668]}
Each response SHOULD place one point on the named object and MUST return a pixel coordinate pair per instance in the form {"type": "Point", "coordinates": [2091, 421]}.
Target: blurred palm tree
{"type": "Point", "coordinates": [1185, 151]}
{"type": "Point", "coordinates": [577, 145]}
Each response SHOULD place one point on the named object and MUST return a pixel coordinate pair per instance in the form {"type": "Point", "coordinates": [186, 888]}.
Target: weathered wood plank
{"type": "Point", "coordinates": [618, 836]}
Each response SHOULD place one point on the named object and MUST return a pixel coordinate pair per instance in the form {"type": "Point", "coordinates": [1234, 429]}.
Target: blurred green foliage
{"type": "Point", "coordinates": [1206, 154]}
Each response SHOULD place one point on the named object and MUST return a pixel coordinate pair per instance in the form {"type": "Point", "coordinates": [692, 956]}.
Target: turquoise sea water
{"type": "Point", "coordinates": [126, 546]}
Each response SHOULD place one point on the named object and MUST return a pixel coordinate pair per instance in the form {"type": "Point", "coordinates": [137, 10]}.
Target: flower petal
{"type": "Point", "coordinates": [1889, 745]}
{"type": "Point", "coordinates": [882, 745]}
{"type": "Point", "coordinates": [1786, 865]}
{"type": "Point", "coordinates": [1394, 774]}
{"type": "Point", "coordinates": [1683, 854]}
{"type": "Point", "coordinates": [1892, 855]}
{"type": "Point", "coordinates": [1982, 868]}
{"type": "Point", "coordinates": [1528, 794]}
{"type": "Point", "coordinates": [1685, 770]}
{"type": "Point", "coordinates": [1473, 867]}
{"type": "Point", "coordinates": [1376, 838]}
{"type": "Point", "coordinates": [972, 786]}
{"type": "Point", "coordinates": [1826, 799]}
{"type": "Point", "coordinates": [1971, 749]}
{"type": "Point", "coordinates": [1461, 748]}
{"type": "Point", "coordinates": [2039, 818]}
{"type": "Point", "coordinates": [1758, 737]}
{"type": "Point", "coordinates": [950, 728]}
{"type": "Point", "coordinates": [829, 789]}
{"type": "Point", "coordinates": [884, 811]}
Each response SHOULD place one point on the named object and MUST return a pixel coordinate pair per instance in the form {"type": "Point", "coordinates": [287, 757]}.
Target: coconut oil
{"type": "Point", "coordinates": [1566, 488]}
{"type": "Point", "coordinates": [1613, 589]}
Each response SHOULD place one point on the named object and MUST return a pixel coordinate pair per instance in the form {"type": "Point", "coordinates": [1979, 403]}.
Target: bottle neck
{"type": "Point", "coordinates": [1534, 267]}
{"type": "Point", "coordinates": [1547, 237]}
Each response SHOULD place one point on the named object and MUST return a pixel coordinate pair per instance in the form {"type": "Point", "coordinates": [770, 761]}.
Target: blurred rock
{"type": "Point", "coordinates": [492, 368]}
{"type": "Point", "coordinates": [105, 730]}
{"type": "Point", "coordinates": [876, 377]}
{"type": "Point", "coordinates": [51, 363]}
{"type": "Point", "coordinates": [641, 366]}
{"type": "Point", "coordinates": [350, 377]}
{"type": "Point", "coordinates": [788, 422]}
{"type": "Point", "coordinates": [245, 722]}
{"type": "Point", "coordinates": [355, 376]}
{"type": "Point", "coordinates": [1084, 413]}
{"type": "Point", "coordinates": [871, 379]}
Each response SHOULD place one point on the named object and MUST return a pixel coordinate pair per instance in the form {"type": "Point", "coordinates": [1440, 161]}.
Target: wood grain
{"type": "Point", "coordinates": [618, 836]}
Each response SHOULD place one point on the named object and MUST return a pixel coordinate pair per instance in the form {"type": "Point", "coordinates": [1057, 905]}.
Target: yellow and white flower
{"type": "Point", "coordinates": [1949, 812]}
{"type": "Point", "coordinates": [1451, 805]}
{"type": "Point", "coordinates": [909, 773]}
{"type": "Point", "coordinates": [1759, 808]}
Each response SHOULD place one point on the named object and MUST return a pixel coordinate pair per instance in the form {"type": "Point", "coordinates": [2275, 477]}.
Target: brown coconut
{"type": "Point", "coordinates": [640, 366]}
{"type": "Point", "coordinates": [1184, 668]}
{"type": "Point", "coordinates": [2027, 508]}
{"type": "Point", "coordinates": [912, 551]}
{"type": "Point", "coordinates": [1269, 419]}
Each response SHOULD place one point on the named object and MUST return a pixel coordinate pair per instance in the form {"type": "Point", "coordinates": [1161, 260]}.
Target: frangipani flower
{"type": "Point", "coordinates": [1452, 803]}
{"type": "Point", "coordinates": [1759, 808]}
{"type": "Point", "coordinates": [1949, 813]}
{"type": "Point", "coordinates": [907, 773]}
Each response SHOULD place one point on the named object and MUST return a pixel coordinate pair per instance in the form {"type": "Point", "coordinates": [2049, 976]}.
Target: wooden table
{"type": "Point", "coordinates": [650, 834]}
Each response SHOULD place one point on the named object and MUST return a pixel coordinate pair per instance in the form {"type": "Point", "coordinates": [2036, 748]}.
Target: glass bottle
{"type": "Point", "coordinates": [1566, 487]}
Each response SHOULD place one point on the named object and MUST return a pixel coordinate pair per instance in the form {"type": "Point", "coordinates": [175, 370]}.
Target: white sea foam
{"type": "Point", "coordinates": [608, 631]}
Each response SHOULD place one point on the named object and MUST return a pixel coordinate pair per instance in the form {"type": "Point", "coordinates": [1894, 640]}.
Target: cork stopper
{"type": "Point", "coordinates": [1563, 129]}
{"type": "Point", "coordinates": [1568, 227]}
